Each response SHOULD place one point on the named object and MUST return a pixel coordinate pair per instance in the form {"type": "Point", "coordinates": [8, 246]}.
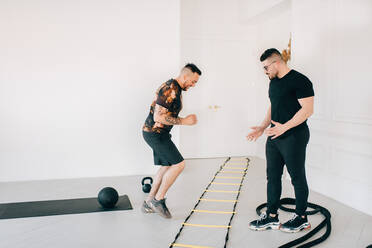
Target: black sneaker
{"type": "Point", "coordinates": [296, 224]}
{"type": "Point", "coordinates": [146, 208]}
{"type": "Point", "coordinates": [265, 222]}
{"type": "Point", "coordinates": [160, 208]}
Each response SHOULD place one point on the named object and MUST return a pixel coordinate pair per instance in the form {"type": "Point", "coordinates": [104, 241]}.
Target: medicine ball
{"type": "Point", "coordinates": [108, 197]}
{"type": "Point", "coordinates": [146, 187]}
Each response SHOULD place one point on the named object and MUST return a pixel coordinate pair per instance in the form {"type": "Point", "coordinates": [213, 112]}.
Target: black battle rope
{"type": "Point", "coordinates": [232, 216]}
{"type": "Point", "coordinates": [317, 209]}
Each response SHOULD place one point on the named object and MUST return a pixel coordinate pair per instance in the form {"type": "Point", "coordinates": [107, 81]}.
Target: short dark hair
{"type": "Point", "coordinates": [193, 68]}
{"type": "Point", "coordinates": [269, 52]}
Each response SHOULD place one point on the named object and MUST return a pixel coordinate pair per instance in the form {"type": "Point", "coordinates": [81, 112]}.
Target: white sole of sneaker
{"type": "Point", "coordinates": [304, 226]}
{"type": "Point", "coordinates": [147, 210]}
{"type": "Point", "coordinates": [274, 226]}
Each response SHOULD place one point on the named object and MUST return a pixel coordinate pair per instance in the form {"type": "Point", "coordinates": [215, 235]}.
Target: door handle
{"type": "Point", "coordinates": [215, 107]}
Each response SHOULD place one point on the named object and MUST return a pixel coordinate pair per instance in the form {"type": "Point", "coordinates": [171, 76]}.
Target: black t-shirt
{"type": "Point", "coordinates": [169, 96]}
{"type": "Point", "coordinates": [284, 94]}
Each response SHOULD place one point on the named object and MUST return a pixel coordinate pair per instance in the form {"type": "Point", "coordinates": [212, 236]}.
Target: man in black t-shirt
{"type": "Point", "coordinates": [291, 103]}
{"type": "Point", "coordinates": [163, 115]}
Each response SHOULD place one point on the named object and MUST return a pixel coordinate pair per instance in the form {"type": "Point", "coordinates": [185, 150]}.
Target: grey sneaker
{"type": "Point", "coordinates": [160, 208]}
{"type": "Point", "coordinates": [146, 208]}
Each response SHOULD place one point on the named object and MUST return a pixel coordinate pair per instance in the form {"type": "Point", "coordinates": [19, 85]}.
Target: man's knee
{"type": "Point", "coordinates": [299, 181]}
{"type": "Point", "coordinates": [180, 166]}
{"type": "Point", "coordinates": [274, 177]}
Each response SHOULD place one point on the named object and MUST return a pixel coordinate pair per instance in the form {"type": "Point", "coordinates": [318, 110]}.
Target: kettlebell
{"type": "Point", "coordinates": [146, 187]}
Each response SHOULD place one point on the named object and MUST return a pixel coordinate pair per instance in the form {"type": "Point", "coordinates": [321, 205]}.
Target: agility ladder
{"type": "Point", "coordinates": [236, 173]}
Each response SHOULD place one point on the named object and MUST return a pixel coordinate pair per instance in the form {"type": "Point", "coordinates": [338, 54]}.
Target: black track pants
{"type": "Point", "coordinates": [291, 151]}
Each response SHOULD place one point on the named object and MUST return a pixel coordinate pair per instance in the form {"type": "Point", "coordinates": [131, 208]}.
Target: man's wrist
{"type": "Point", "coordinates": [262, 127]}
{"type": "Point", "coordinates": [180, 120]}
{"type": "Point", "coordinates": [287, 126]}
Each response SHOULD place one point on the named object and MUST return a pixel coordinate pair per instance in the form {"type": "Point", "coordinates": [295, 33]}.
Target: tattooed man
{"type": "Point", "coordinates": [162, 117]}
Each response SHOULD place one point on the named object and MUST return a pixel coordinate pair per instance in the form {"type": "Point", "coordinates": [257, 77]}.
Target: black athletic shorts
{"type": "Point", "coordinates": [165, 151]}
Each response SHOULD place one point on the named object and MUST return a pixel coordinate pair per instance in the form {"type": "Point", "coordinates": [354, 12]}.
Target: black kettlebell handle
{"type": "Point", "coordinates": [146, 178]}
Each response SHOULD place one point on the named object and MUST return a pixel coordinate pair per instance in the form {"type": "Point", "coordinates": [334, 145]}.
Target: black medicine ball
{"type": "Point", "coordinates": [108, 197]}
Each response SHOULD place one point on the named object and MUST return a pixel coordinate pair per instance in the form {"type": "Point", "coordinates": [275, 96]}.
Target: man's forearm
{"type": "Point", "coordinates": [161, 116]}
{"type": "Point", "coordinates": [266, 122]}
{"type": "Point", "coordinates": [168, 120]}
{"type": "Point", "coordinates": [298, 118]}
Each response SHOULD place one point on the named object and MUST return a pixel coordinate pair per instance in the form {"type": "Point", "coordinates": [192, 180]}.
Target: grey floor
{"type": "Point", "coordinates": [132, 228]}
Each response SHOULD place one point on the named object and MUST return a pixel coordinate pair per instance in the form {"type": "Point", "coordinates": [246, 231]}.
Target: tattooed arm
{"type": "Point", "coordinates": [160, 115]}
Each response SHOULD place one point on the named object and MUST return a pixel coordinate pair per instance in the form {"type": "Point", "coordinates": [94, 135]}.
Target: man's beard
{"type": "Point", "coordinates": [186, 88]}
{"type": "Point", "coordinates": [272, 77]}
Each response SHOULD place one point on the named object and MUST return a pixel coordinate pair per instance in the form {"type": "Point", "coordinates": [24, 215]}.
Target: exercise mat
{"type": "Point", "coordinates": [58, 207]}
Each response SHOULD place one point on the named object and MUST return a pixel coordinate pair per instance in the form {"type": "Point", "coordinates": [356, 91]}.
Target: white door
{"type": "Point", "coordinates": [224, 99]}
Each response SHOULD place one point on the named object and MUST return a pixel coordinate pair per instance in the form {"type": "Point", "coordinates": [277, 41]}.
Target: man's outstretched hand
{"type": "Point", "coordinates": [256, 133]}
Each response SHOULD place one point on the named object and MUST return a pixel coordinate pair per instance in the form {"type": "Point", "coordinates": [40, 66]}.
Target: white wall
{"type": "Point", "coordinates": [332, 45]}
{"type": "Point", "coordinates": [273, 22]}
{"type": "Point", "coordinates": [76, 82]}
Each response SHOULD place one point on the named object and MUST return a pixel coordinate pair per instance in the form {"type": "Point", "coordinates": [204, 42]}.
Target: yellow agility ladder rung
{"type": "Point", "coordinates": [229, 177]}
{"type": "Point", "coordinates": [190, 246]}
{"type": "Point", "coordinates": [223, 191]}
{"type": "Point", "coordinates": [216, 200]}
{"type": "Point", "coordinates": [208, 226]}
{"type": "Point", "coordinates": [212, 212]}
{"type": "Point", "coordinates": [235, 168]}
{"type": "Point", "coordinates": [233, 172]}
{"type": "Point", "coordinates": [226, 183]}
